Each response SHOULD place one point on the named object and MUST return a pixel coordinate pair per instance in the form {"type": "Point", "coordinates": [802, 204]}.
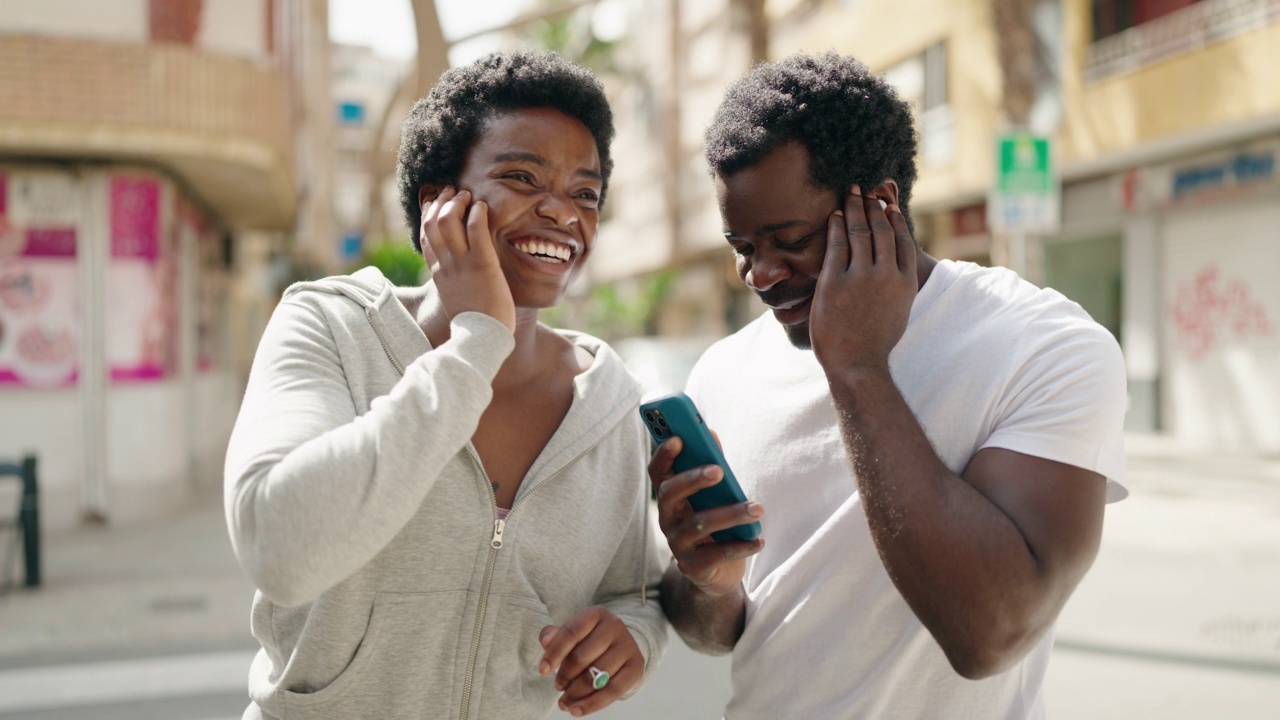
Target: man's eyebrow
{"type": "Point", "coordinates": [535, 159]}
{"type": "Point", "coordinates": [772, 227]}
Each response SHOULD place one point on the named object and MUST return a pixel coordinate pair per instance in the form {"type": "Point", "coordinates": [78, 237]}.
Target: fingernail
{"type": "Point", "coordinates": [576, 712]}
{"type": "Point", "coordinates": [563, 707]}
{"type": "Point", "coordinates": [711, 471]}
{"type": "Point", "coordinates": [857, 189]}
{"type": "Point", "coordinates": [755, 509]}
{"type": "Point", "coordinates": [544, 668]}
{"type": "Point", "coordinates": [838, 213]}
{"type": "Point", "coordinates": [893, 207]}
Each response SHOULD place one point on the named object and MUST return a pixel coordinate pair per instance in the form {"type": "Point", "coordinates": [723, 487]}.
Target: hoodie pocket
{"type": "Point", "coordinates": [404, 666]}
{"type": "Point", "coordinates": [513, 686]}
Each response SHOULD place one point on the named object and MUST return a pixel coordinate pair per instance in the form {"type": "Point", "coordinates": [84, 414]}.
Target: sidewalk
{"type": "Point", "coordinates": [166, 586]}
{"type": "Point", "coordinates": [1188, 576]}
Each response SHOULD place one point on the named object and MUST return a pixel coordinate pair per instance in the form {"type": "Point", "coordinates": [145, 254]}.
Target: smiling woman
{"type": "Point", "coordinates": [442, 501]}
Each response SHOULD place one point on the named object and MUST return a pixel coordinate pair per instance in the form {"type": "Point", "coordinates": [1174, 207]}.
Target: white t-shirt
{"type": "Point", "coordinates": [987, 360]}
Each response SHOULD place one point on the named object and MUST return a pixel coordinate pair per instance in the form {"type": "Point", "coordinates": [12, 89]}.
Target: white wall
{"type": "Point", "coordinates": [234, 27]}
{"type": "Point", "coordinates": [49, 424]}
{"type": "Point", "coordinates": [119, 20]}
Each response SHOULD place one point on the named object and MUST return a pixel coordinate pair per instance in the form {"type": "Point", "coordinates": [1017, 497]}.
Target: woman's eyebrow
{"type": "Point", "coordinates": [521, 156]}
{"type": "Point", "coordinates": [535, 159]}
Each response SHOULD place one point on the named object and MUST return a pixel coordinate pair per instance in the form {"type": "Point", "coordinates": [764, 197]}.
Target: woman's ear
{"type": "Point", "coordinates": [427, 193]}
{"type": "Point", "coordinates": [887, 191]}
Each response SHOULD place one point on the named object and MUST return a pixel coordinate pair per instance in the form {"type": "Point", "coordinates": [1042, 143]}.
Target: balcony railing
{"type": "Point", "coordinates": [1187, 29]}
{"type": "Point", "coordinates": [185, 108]}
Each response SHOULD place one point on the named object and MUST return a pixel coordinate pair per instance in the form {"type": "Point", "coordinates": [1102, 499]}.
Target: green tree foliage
{"type": "Point", "coordinates": [397, 260]}
{"type": "Point", "coordinates": [610, 313]}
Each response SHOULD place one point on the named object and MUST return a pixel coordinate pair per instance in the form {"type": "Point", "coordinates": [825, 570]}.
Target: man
{"type": "Point", "coordinates": [935, 441]}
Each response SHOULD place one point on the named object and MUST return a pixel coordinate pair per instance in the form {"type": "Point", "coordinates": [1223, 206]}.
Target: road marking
{"type": "Point", "coordinates": [91, 683]}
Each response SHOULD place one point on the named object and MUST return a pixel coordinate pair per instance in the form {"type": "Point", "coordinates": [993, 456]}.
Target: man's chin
{"type": "Point", "coordinates": [798, 334]}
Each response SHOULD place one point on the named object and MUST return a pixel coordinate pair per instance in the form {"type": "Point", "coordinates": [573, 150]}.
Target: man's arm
{"type": "Point", "coordinates": [708, 624]}
{"type": "Point", "coordinates": [702, 592]}
{"type": "Point", "coordinates": [985, 560]}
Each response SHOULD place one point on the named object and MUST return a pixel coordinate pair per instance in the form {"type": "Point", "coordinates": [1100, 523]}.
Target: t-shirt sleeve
{"type": "Point", "coordinates": [1065, 400]}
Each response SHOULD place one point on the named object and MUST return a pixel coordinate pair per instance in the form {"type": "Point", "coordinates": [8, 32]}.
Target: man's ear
{"type": "Point", "coordinates": [427, 193]}
{"type": "Point", "coordinates": [887, 191]}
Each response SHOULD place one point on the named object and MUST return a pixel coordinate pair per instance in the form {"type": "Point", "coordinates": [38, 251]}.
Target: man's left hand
{"type": "Point", "coordinates": [866, 287]}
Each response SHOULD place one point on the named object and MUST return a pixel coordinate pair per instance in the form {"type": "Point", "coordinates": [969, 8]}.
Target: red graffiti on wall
{"type": "Point", "coordinates": [1208, 308]}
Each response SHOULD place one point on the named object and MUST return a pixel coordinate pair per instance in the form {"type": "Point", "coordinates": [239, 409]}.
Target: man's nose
{"type": "Point", "coordinates": [763, 272]}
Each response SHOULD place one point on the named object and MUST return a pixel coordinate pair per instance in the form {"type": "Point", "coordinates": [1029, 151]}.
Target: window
{"type": "Point", "coordinates": [351, 113]}
{"type": "Point", "coordinates": [1115, 16]}
{"type": "Point", "coordinates": [922, 81]}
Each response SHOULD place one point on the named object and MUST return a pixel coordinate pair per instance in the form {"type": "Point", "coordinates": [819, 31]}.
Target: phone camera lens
{"type": "Point", "coordinates": [659, 432]}
{"type": "Point", "coordinates": [662, 422]}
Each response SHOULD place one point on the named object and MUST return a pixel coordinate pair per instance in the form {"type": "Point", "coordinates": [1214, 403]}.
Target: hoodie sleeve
{"type": "Point", "coordinates": [314, 491]}
{"type": "Point", "coordinates": [630, 586]}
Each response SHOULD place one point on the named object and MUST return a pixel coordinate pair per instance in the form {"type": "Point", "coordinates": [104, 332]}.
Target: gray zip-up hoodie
{"type": "Point", "coordinates": [388, 588]}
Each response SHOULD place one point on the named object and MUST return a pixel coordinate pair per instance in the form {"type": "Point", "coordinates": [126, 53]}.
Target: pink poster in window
{"type": "Point", "coordinates": [39, 299]}
{"type": "Point", "coordinates": [141, 284]}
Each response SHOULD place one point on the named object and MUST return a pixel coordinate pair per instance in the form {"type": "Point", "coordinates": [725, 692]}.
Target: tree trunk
{"type": "Point", "coordinates": [1016, 46]}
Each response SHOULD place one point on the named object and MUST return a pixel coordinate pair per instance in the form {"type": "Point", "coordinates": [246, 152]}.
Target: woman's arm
{"type": "Point", "coordinates": [314, 491]}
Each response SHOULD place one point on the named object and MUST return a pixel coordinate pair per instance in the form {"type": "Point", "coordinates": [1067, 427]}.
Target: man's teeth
{"type": "Point", "coordinates": [545, 251]}
{"type": "Point", "coordinates": [789, 305]}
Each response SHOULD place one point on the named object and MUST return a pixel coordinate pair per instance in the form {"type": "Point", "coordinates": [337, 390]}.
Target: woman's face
{"type": "Point", "coordinates": [539, 172]}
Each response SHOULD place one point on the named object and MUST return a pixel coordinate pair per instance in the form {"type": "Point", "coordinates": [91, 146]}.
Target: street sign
{"type": "Point", "coordinates": [1026, 194]}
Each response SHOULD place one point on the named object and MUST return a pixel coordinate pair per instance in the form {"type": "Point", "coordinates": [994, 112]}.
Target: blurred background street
{"type": "Point", "coordinates": [168, 167]}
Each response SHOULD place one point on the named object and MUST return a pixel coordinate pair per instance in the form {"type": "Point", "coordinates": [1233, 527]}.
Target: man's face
{"type": "Point", "coordinates": [539, 172]}
{"type": "Point", "coordinates": [776, 221]}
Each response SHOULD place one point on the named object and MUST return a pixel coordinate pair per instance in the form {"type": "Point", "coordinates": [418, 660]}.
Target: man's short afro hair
{"type": "Point", "coordinates": [854, 125]}
{"type": "Point", "coordinates": [442, 127]}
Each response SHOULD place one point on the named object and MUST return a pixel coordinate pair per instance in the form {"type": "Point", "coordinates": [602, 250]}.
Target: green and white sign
{"type": "Point", "coordinates": [1026, 193]}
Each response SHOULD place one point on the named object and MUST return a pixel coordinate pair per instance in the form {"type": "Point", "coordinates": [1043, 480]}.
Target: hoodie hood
{"type": "Point", "coordinates": [603, 395]}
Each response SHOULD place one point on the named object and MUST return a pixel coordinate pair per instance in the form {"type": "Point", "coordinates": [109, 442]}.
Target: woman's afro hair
{"type": "Point", "coordinates": [854, 125]}
{"type": "Point", "coordinates": [442, 127]}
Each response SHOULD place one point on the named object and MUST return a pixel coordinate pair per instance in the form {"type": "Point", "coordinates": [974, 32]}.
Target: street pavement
{"type": "Point", "coordinates": [1179, 618]}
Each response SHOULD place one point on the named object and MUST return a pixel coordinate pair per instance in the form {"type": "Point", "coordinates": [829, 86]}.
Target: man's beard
{"type": "Point", "coordinates": [780, 295]}
{"type": "Point", "coordinates": [799, 335]}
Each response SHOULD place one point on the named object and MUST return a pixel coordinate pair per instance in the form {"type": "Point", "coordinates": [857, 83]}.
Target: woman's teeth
{"type": "Point", "coordinates": [544, 251]}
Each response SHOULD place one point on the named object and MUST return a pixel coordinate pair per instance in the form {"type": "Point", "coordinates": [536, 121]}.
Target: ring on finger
{"type": "Point", "coordinates": [599, 678]}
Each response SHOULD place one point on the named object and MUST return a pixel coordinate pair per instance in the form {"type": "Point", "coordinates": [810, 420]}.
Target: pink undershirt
{"type": "Point", "coordinates": [502, 512]}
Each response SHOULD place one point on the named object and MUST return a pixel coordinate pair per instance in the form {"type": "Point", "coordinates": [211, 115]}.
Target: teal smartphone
{"type": "Point", "coordinates": [676, 416]}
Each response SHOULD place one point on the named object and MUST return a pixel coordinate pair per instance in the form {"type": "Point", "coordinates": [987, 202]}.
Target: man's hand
{"type": "Point", "coordinates": [463, 261]}
{"type": "Point", "coordinates": [866, 287]}
{"type": "Point", "coordinates": [594, 638]}
{"type": "Point", "coordinates": [715, 568]}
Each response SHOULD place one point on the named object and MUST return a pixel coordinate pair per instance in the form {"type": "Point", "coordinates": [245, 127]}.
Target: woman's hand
{"type": "Point", "coordinates": [464, 264]}
{"type": "Point", "coordinates": [593, 639]}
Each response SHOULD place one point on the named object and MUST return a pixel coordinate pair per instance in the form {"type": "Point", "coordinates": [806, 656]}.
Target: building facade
{"type": "Point", "coordinates": [154, 156]}
{"type": "Point", "coordinates": [1164, 120]}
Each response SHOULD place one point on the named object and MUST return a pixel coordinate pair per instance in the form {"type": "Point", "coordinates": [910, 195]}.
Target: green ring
{"type": "Point", "coordinates": [600, 678]}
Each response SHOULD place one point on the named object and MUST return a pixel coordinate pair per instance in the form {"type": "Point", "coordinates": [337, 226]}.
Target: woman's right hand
{"type": "Point", "coordinates": [464, 264]}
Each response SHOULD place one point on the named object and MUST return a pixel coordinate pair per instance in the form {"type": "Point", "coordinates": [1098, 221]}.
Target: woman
{"type": "Point", "coordinates": [443, 502]}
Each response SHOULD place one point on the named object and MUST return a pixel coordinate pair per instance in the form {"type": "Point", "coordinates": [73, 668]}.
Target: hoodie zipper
{"type": "Point", "coordinates": [368, 312]}
{"type": "Point", "coordinates": [495, 544]}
